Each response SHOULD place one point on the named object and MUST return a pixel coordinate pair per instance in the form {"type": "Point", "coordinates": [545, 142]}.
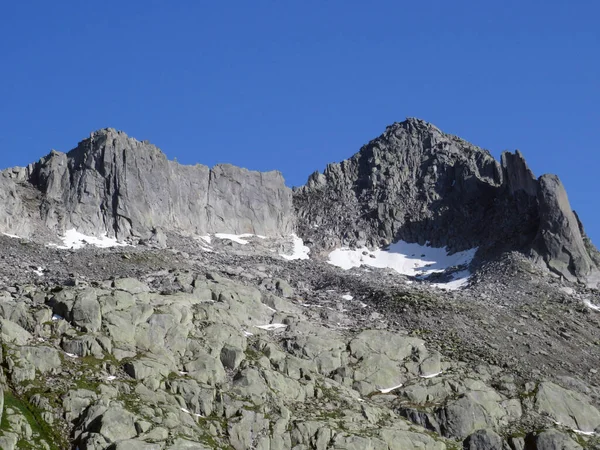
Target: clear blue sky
{"type": "Point", "coordinates": [293, 85]}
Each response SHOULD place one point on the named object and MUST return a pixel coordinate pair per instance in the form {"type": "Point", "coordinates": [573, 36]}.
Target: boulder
{"type": "Point", "coordinates": [551, 440]}
{"type": "Point", "coordinates": [86, 312]}
{"type": "Point", "coordinates": [568, 408]}
{"type": "Point", "coordinates": [483, 440]}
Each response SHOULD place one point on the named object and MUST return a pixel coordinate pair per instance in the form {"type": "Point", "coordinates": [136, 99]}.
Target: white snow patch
{"type": "Point", "coordinates": [187, 411]}
{"type": "Point", "coordinates": [76, 240]}
{"type": "Point", "coordinates": [575, 430]}
{"type": "Point", "coordinates": [431, 375]}
{"type": "Point", "coordinates": [233, 237]}
{"type": "Point", "coordinates": [181, 372]}
{"type": "Point", "coordinates": [271, 309]}
{"type": "Point", "coordinates": [111, 378]}
{"type": "Point", "coordinates": [388, 390]}
{"type": "Point", "coordinates": [57, 317]}
{"type": "Point", "coordinates": [248, 334]}
{"type": "Point", "coordinates": [39, 272]}
{"type": "Point", "coordinates": [347, 297]}
{"type": "Point", "coordinates": [14, 236]}
{"type": "Point", "coordinates": [590, 305]}
{"type": "Point", "coordinates": [272, 326]}
{"type": "Point", "coordinates": [459, 280]}
{"type": "Point", "coordinates": [300, 250]}
{"type": "Point", "coordinates": [206, 239]}
{"type": "Point", "coordinates": [407, 259]}
{"type": "Point", "coordinates": [585, 433]}
{"type": "Point", "coordinates": [71, 355]}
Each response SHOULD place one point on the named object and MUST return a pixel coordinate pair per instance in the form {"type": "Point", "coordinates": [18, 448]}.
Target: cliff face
{"type": "Point", "coordinates": [117, 185]}
{"type": "Point", "coordinates": [418, 184]}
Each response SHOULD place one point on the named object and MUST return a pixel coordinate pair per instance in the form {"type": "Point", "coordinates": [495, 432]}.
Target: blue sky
{"type": "Point", "coordinates": [293, 85]}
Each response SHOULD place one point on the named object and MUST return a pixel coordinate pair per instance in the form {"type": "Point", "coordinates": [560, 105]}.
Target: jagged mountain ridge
{"type": "Point", "coordinates": [418, 184]}
{"type": "Point", "coordinates": [414, 183]}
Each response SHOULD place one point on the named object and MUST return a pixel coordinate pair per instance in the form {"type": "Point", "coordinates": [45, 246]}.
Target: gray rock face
{"type": "Point", "coordinates": [417, 184]}
{"type": "Point", "coordinates": [559, 239]}
{"type": "Point", "coordinates": [117, 185]}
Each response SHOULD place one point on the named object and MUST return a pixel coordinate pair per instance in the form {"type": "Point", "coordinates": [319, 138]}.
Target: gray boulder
{"type": "Point", "coordinates": [13, 333]}
{"type": "Point", "coordinates": [483, 440]}
{"type": "Point", "coordinates": [568, 408]}
{"type": "Point", "coordinates": [86, 311]}
{"type": "Point", "coordinates": [551, 440]}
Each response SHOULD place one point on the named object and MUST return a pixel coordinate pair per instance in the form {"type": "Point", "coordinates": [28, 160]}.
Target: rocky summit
{"type": "Point", "coordinates": [419, 295]}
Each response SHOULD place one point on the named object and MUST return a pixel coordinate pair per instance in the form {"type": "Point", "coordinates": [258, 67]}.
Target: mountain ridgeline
{"type": "Point", "coordinates": [413, 183]}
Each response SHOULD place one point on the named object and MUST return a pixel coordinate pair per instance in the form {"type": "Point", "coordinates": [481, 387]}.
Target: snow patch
{"type": "Point", "coordinates": [14, 236]}
{"type": "Point", "coordinates": [248, 334]}
{"type": "Point", "coordinates": [187, 411]}
{"type": "Point", "coordinates": [388, 390]}
{"type": "Point", "coordinates": [431, 375]}
{"type": "Point", "coordinates": [590, 305]}
{"type": "Point", "coordinates": [39, 271]}
{"type": "Point", "coordinates": [576, 431]}
{"type": "Point", "coordinates": [408, 259]}
{"type": "Point", "coordinates": [111, 378]}
{"type": "Point", "coordinates": [459, 280]}
{"type": "Point", "coordinates": [300, 250]}
{"type": "Point", "coordinates": [347, 297]}
{"type": "Point", "coordinates": [76, 240]}
{"type": "Point", "coordinates": [57, 317]}
{"type": "Point", "coordinates": [272, 326]}
{"type": "Point", "coordinates": [234, 237]}
{"type": "Point", "coordinates": [71, 355]}
{"type": "Point", "coordinates": [206, 239]}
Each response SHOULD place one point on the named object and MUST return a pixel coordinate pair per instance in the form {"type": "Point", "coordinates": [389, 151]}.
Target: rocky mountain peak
{"type": "Point", "coordinates": [418, 184]}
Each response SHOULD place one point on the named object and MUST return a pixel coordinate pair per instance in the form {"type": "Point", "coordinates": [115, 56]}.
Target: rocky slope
{"type": "Point", "coordinates": [221, 342]}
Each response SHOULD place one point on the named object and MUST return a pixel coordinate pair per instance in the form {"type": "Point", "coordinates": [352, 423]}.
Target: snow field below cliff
{"type": "Point", "coordinates": [76, 240]}
{"type": "Point", "coordinates": [413, 260]}
{"type": "Point", "coordinates": [299, 251]}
